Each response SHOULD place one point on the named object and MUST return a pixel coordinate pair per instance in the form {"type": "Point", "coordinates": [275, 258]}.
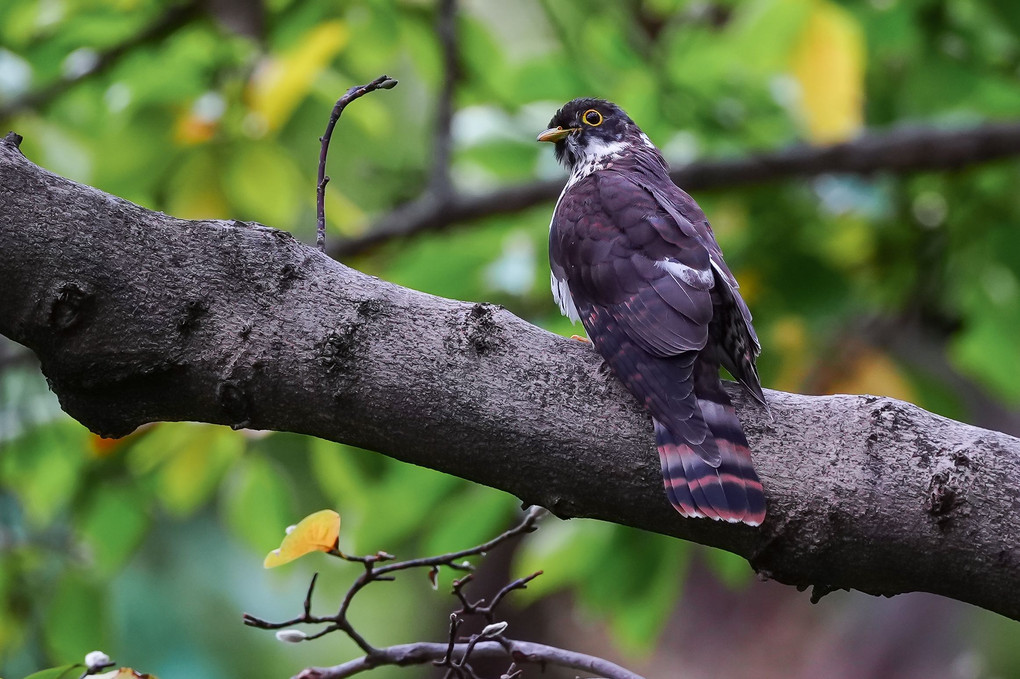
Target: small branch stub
{"type": "Point", "coordinates": [383, 82]}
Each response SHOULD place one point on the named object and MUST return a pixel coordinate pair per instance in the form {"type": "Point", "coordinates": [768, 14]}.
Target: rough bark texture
{"type": "Point", "coordinates": [137, 316]}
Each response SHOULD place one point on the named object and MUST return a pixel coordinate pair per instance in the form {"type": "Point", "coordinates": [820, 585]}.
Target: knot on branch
{"type": "Point", "coordinates": [71, 304]}
{"type": "Point", "coordinates": [13, 139]}
{"type": "Point", "coordinates": [946, 488]}
{"type": "Point", "coordinates": [480, 329]}
{"type": "Point", "coordinates": [190, 313]}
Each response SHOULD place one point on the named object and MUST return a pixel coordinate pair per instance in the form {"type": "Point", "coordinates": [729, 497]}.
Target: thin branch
{"type": "Point", "coordinates": [520, 652]}
{"type": "Point", "coordinates": [456, 656]}
{"type": "Point", "coordinates": [308, 596]}
{"type": "Point", "coordinates": [383, 82]}
{"type": "Point", "coordinates": [447, 659]}
{"type": "Point", "coordinates": [170, 21]}
{"type": "Point", "coordinates": [527, 525]}
{"type": "Point", "coordinates": [899, 151]}
{"type": "Point", "coordinates": [446, 31]}
{"type": "Point", "coordinates": [519, 583]}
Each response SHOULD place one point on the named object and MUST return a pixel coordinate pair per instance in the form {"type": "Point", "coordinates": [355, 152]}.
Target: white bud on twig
{"type": "Point", "coordinates": [291, 636]}
{"type": "Point", "coordinates": [97, 660]}
{"type": "Point", "coordinates": [495, 629]}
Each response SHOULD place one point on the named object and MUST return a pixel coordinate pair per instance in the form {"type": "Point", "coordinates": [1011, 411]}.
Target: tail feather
{"type": "Point", "coordinates": [730, 492]}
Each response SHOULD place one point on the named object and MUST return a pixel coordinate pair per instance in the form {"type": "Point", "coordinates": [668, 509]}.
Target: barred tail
{"type": "Point", "coordinates": [730, 492]}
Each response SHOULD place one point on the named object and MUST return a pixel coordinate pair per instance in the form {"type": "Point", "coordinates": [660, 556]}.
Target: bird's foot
{"type": "Point", "coordinates": [579, 338]}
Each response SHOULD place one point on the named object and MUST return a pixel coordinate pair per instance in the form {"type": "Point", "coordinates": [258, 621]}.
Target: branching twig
{"type": "Point", "coordinates": [452, 655]}
{"type": "Point", "coordinates": [383, 82]}
{"type": "Point", "coordinates": [899, 151]}
{"type": "Point", "coordinates": [375, 573]}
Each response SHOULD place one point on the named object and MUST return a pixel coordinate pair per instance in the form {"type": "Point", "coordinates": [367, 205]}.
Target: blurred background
{"type": "Point", "coordinates": [900, 282]}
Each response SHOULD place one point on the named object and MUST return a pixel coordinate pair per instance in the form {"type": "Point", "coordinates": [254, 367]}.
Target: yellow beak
{"type": "Point", "coordinates": [556, 133]}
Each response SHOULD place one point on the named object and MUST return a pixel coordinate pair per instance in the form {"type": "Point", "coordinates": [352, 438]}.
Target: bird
{"type": "Point", "coordinates": [634, 259]}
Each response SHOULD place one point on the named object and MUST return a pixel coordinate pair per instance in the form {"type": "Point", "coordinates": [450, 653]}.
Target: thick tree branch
{"type": "Point", "coordinates": [899, 151]}
{"type": "Point", "coordinates": [137, 316]}
{"type": "Point", "coordinates": [423, 652]}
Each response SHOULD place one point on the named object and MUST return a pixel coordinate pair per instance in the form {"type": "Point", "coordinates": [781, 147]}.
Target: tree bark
{"type": "Point", "coordinates": [137, 316]}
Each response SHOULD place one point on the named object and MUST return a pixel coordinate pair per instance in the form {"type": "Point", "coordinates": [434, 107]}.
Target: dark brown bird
{"type": "Point", "coordinates": [634, 259]}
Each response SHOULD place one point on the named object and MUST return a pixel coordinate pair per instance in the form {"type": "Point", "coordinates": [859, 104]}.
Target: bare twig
{"type": "Point", "coordinates": [308, 597]}
{"type": "Point", "coordinates": [455, 623]}
{"type": "Point", "coordinates": [527, 525]}
{"type": "Point", "coordinates": [173, 19]}
{"type": "Point", "coordinates": [489, 643]}
{"type": "Point", "coordinates": [899, 151]}
{"type": "Point", "coordinates": [383, 82]}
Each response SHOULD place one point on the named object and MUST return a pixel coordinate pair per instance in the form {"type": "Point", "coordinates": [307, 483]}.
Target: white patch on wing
{"type": "Point", "coordinates": [561, 293]}
{"type": "Point", "coordinates": [696, 278]}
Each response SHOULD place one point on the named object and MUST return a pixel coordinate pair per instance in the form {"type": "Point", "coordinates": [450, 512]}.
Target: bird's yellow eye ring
{"type": "Point", "coordinates": [592, 117]}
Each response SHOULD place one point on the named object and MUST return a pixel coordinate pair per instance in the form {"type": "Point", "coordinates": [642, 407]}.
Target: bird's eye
{"type": "Point", "coordinates": [592, 117]}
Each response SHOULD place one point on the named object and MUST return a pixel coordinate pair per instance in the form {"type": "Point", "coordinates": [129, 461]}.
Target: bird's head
{"type": "Point", "coordinates": [590, 129]}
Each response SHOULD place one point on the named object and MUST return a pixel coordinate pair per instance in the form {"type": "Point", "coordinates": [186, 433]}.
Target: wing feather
{"type": "Point", "coordinates": [620, 251]}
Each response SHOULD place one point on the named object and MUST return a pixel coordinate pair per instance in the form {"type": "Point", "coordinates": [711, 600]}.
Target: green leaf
{"type": "Point", "coordinates": [258, 502]}
{"type": "Point", "coordinates": [113, 524]}
{"type": "Point", "coordinates": [263, 184]}
{"type": "Point", "coordinates": [567, 553]}
{"type": "Point", "coordinates": [730, 568]}
{"type": "Point", "coordinates": [44, 467]}
{"type": "Point", "coordinates": [452, 526]}
{"type": "Point", "coordinates": [188, 461]}
{"type": "Point", "coordinates": [76, 621]}
{"type": "Point", "coordinates": [62, 672]}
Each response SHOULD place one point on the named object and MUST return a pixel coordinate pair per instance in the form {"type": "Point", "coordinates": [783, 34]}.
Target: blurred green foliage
{"type": "Point", "coordinates": [150, 547]}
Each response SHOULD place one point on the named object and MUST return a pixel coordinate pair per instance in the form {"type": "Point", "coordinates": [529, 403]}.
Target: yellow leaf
{"type": "Point", "coordinates": [828, 63]}
{"type": "Point", "coordinates": [281, 82]}
{"type": "Point", "coordinates": [316, 532]}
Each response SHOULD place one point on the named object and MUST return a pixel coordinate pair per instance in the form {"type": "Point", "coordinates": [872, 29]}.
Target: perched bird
{"type": "Point", "coordinates": [634, 259]}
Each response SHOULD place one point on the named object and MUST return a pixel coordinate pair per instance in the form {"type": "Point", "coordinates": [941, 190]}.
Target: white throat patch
{"type": "Point", "coordinates": [594, 157]}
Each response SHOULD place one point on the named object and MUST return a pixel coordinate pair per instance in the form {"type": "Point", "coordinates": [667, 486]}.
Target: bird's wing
{"type": "Point", "coordinates": [620, 253]}
{"type": "Point", "coordinates": [643, 290]}
{"type": "Point", "coordinates": [738, 344]}
{"type": "Point", "coordinates": [693, 224]}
